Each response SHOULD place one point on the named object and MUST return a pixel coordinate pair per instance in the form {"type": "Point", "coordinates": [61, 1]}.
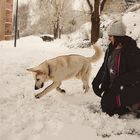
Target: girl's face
{"type": "Point", "coordinates": [111, 39]}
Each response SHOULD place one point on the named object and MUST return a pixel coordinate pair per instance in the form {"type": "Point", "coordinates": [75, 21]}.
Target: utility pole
{"type": "Point", "coordinates": [16, 24]}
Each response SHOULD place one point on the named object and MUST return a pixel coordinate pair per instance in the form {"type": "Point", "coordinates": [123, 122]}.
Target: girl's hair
{"type": "Point", "coordinates": [119, 40]}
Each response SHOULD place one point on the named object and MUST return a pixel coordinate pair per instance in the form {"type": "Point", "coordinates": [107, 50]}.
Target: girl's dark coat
{"type": "Point", "coordinates": [129, 72]}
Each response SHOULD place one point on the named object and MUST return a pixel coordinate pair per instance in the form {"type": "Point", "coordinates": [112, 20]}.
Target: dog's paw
{"type": "Point", "coordinates": [37, 96]}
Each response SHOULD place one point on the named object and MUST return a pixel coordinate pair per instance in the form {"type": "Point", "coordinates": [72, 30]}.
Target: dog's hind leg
{"type": "Point", "coordinates": [85, 73]}
{"type": "Point", "coordinates": [85, 80]}
{"type": "Point", "coordinates": [85, 85]}
{"type": "Point", "coordinates": [60, 90]}
{"type": "Point", "coordinates": [48, 89]}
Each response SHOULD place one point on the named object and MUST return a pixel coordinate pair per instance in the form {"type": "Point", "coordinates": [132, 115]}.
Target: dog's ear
{"type": "Point", "coordinates": [35, 69]}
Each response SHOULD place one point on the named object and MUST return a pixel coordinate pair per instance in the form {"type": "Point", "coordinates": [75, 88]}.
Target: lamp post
{"type": "Point", "coordinates": [16, 24]}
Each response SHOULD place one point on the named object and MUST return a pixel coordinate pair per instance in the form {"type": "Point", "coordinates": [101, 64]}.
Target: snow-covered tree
{"type": "Point", "coordinates": [53, 14]}
{"type": "Point", "coordinates": [23, 16]}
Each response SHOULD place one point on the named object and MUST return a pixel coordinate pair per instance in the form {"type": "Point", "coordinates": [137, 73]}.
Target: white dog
{"type": "Point", "coordinates": [62, 68]}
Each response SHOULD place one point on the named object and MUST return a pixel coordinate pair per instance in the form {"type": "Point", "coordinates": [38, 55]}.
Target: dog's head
{"type": "Point", "coordinates": [41, 75]}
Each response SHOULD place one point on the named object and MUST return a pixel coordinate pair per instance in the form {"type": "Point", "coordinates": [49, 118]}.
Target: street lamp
{"type": "Point", "coordinates": [16, 24]}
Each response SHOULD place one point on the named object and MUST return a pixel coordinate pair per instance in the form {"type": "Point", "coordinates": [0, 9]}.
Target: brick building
{"type": "Point", "coordinates": [6, 9]}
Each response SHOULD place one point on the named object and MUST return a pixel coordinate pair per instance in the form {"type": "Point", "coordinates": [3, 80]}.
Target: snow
{"type": "Point", "coordinates": [135, 21]}
{"type": "Point", "coordinates": [55, 116]}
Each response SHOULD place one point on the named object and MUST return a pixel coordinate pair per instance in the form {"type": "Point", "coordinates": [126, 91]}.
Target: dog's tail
{"type": "Point", "coordinates": [97, 55]}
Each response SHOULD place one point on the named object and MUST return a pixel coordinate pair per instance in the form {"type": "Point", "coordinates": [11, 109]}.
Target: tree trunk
{"type": "Point", "coordinates": [57, 33]}
{"type": "Point", "coordinates": [95, 19]}
{"type": "Point", "coordinates": [95, 22]}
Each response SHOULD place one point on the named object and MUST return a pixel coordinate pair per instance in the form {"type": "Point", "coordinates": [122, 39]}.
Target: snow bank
{"type": "Point", "coordinates": [55, 116]}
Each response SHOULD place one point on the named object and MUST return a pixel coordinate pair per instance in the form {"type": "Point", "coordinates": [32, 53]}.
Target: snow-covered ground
{"type": "Point", "coordinates": [55, 116]}
{"type": "Point", "coordinates": [74, 116]}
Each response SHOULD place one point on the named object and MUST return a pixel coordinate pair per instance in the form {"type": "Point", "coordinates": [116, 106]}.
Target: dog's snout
{"type": "Point", "coordinates": [36, 88]}
{"type": "Point", "coordinates": [42, 85]}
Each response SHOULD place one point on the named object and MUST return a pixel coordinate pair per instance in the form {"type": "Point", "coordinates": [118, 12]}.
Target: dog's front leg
{"type": "Point", "coordinates": [46, 90]}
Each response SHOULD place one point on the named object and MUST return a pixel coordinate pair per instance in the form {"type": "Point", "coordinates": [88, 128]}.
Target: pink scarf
{"type": "Point", "coordinates": [117, 65]}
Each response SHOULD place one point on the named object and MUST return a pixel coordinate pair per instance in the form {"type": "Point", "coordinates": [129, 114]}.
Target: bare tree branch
{"type": "Point", "coordinates": [90, 5]}
{"type": "Point", "coordinates": [102, 5]}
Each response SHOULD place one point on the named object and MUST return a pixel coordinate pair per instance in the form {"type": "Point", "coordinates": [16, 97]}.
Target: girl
{"type": "Point", "coordinates": [118, 80]}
